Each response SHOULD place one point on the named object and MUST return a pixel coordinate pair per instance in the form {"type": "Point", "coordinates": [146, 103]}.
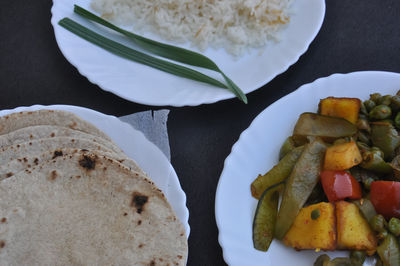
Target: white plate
{"type": "Point", "coordinates": [147, 155]}
{"type": "Point", "coordinates": [257, 151]}
{"type": "Point", "coordinates": [145, 85]}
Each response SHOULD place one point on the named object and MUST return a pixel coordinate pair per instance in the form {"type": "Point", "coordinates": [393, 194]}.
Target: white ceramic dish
{"type": "Point", "coordinates": [148, 156]}
{"type": "Point", "coordinates": [257, 151]}
{"type": "Point", "coordinates": [145, 85]}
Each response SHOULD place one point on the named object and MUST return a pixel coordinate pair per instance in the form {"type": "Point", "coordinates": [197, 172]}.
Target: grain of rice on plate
{"type": "Point", "coordinates": [232, 24]}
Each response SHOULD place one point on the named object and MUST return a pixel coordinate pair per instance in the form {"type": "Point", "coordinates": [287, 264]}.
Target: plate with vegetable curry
{"type": "Point", "coordinates": [317, 184]}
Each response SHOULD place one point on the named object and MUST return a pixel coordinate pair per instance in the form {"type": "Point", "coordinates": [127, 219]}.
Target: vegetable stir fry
{"type": "Point", "coordinates": [339, 179]}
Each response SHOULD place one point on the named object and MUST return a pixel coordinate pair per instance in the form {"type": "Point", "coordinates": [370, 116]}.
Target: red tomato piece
{"type": "Point", "coordinates": [339, 185]}
{"type": "Point", "coordinates": [385, 196]}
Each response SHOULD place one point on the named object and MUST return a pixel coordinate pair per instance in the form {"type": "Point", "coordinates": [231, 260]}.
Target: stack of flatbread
{"type": "Point", "coordinates": [70, 196]}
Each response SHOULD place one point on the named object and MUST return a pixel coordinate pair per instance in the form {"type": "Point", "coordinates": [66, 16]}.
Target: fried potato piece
{"type": "Point", "coordinates": [317, 233]}
{"type": "Point", "coordinates": [353, 231]}
{"type": "Point", "coordinates": [342, 156]}
{"type": "Point", "coordinates": [346, 108]}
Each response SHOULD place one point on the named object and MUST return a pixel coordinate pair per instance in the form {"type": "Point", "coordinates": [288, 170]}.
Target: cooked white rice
{"type": "Point", "coordinates": [231, 24]}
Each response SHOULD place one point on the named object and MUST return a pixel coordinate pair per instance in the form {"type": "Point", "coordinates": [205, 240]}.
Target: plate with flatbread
{"type": "Point", "coordinates": [78, 187]}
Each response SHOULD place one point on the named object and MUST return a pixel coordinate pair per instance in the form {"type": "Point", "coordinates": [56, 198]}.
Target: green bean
{"type": "Point", "coordinates": [395, 103]}
{"type": "Point", "coordinates": [287, 146]}
{"type": "Point", "coordinates": [380, 112]}
{"type": "Point", "coordinates": [397, 120]}
{"type": "Point", "coordinates": [394, 226]}
{"type": "Point", "coordinates": [374, 162]}
{"type": "Point", "coordinates": [378, 151]}
{"type": "Point", "coordinates": [369, 105]}
{"type": "Point", "coordinates": [378, 223]}
{"type": "Point", "coordinates": [366, 208]}
{"type": "Point", "coordinates": [375, 97]}
{"type": "Point", "coordinates": [385, 100]}
{"type": "Point", "coordinates": [358, 255]}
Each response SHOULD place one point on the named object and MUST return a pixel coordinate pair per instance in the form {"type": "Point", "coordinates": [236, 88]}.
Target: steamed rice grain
{"type": "Point", "coordinates": [231, 24]}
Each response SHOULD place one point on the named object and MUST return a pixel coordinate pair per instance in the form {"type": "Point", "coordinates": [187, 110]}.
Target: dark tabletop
{"type": "Point", "coordinates": [355, 35]}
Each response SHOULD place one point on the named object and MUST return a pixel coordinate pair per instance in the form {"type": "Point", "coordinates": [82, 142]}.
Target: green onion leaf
{"type": "Point", "coordinates": [134, 55]}
{"type": "Point", "coordinates": [165, 50]}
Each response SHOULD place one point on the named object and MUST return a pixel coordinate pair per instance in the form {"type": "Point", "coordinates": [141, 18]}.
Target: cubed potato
{"type": "Point", "coordinates": [346, 108]}
{"type": "Point", "coordinates": [353, 231]}
{"type": "Point", "coordinates": [342, 156]}
{"type": "Point", "coordinates": [308, 233]}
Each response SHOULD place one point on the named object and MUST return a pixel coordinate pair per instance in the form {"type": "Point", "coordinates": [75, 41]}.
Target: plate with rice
{"type": "Point", "coordinates": [252, 41]}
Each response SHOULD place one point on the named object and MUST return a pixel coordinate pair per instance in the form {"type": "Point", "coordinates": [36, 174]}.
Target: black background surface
{"type": "Point", "coordinates": [355, 35]}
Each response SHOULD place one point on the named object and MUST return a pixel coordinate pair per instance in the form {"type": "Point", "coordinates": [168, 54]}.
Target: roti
{"type": "Point", "coordinates": [30, 133]}
{"type": "Point", "coordinates": [14, 121]}
{"type": "Point", "coordinates": [28, 156]}
{"type": "Point", "coordinates": [87, 209]}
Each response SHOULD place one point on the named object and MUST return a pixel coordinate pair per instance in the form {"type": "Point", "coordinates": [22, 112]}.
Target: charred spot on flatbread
{"type": "Point", "coordinates": [139, 201]}
{"type": "Point", "coordinates": [3, 220]}
{"type": "Point", "coordinates": [9, 174]}
{"type": "Point", "coordinates": [53, 175]}
{"type": "Point", "coordinates": [152, 263]}
{"type": "Point", "coordinates": [2, 243]}
{"type": "Point", "coordinates": [87, 162]}
{"type": "Point", "coordinates": [57, 153]}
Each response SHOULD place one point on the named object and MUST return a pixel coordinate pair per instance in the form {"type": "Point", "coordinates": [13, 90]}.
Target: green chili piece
{"type": "Point", "coordinates": [327, 127]}
{"type": "Point", "coordinates": [277, 174]}
{"type": "Point", "coordinates": [299, 185]}
{"type": "Point", "coordinates": [287, 146]}
{"type": "Point", "coordinates": [389, 251]}
{"type": "Point", "coordinates": [265, 217]}
{"type": "Point", "coordinates": [374, 162]}
{"type": "Point", "coordinates": [366, 208]}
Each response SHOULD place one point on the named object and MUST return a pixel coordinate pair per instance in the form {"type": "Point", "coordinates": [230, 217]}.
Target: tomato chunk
{"type": "Point", "coordinates": [339, 185]}
{"type": "Point", "coordinates": [385, 196]}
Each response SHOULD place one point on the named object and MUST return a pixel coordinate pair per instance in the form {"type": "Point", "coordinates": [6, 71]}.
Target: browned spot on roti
{"type": "Point", "coordinates": [73, 125]}
{"type": "Point", "coordinates": [53, 175]}
{"type": "Point", "coordinates": [29, 166]}
{"type": "Point", "coordinates": [31, 136]}
{"type": "Point", "coordinates": [160, 259]}
{"type": "Point", "coordinates": [72, 140]}
{"type": "Point", "coordinates": [30, 143]}
{"type": "Point", "coordinates": [3, 220]}
{"type": "Point", "coordinates": [139, 222]}
{"type": "Point", "coordinates": [78, 176]}
{"type": "Point", "coordinates": [84, 150]}
{"type": "Point", "coordinates": [52, 135]}
{"type": "Point", "coordinates": [87, 162]}
{"type": "Point", "coordinates": [152, 263]}
{"type": "Point", "coordinates": [57, 153]}
{"type": "Point", "coordinates": [125, 213]}
{"type": "Point", "coordinates": [105, 168]}
{"type": "Point", "coordinates": [18, 145]}
{"type": "Point", "coordinates": [179, 257]}
{"type": "Point", "coordinates": [141, 245]}
{"type": "Point", "coordinates": [25, 160]}
{"type": "Point", "coordinates": [30, 112]}
{"type": "Point", "coordinates": [2, 243]}
{"type": "Point", "coordinates": [138, 201]}
{"type": "Point", "coordinates": [36, 161]}
{"type": "Point", "coordinates": [9, 174]}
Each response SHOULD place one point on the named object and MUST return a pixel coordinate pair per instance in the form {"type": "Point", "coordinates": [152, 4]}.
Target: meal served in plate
{"type": "Point", "coordinates": [70, 196]}
{"type": "Point", "coordinates": [339, 178]}
{"type": "Point", "coordinates": [229, 24]}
